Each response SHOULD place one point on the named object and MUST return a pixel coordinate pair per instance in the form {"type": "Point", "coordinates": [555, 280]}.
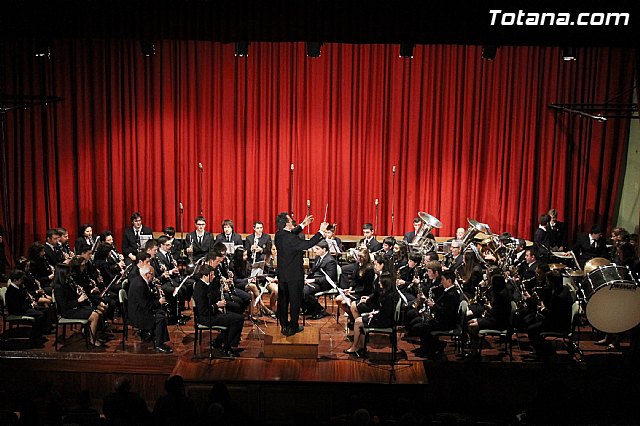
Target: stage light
{"type": "Point", "coordinates": [148, 48]}
{"type": "Point", "coordinates": [406, 50]}
{"type": "Point", "coordinates": [242, 48]}
{"type": "Point", "coordinates": [489, 52]}
{"type": "Point", "coordinates": [569, 53]}
{"type": "Point", "coordinates": [313, 49]}
{"type": "Point", "coordinates": [42, 49]}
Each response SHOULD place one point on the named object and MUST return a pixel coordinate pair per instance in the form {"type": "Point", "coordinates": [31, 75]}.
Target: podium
{"type": "Point", "coordinates": [302, 345]}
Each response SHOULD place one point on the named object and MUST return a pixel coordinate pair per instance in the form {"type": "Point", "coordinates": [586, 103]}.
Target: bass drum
{"type": "Point", "coordinates": [614, 305]}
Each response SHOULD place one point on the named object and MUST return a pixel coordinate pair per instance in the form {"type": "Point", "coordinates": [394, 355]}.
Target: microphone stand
{"type": "Point", "coordinates": [376, 225]}
{"type": "Point", "coordinates": [393, 199]}
{"type": "Point", "coordinates": [200, 187]}
{"type": "Point", "coordinates": [291, 192]}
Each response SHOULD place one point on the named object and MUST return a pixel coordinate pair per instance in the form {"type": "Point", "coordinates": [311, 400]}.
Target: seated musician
{"type": "Point", "coordinates": [177, 245]}
{"type": "Point", "coordinates": [85, 238]}
{"type": "Point", "coordinates": [335, 244]}
{"type": "Point", "coordinates": [243, 280]}
{"type": "Point", "coordinates": [369, 242]}
{"type": "Point", "coordinates": [497, 312]}
{"type": "Point", "coordinates": [555, 314]}
{"type": "Point", "coordinates": [400, 257]}
{"type": "Point", "coordinates": [107, 259]}
{"type": "Point", "coordinates": [381, 317]}
{"type": "Point", "coordinates": [459, 235]}
{"type": "Point", "coordinates": [431, 286]}
{"type": "Point", "coordinates": [228, 235]}
{"type": "Point", "coordinates": [63, 244]}
{"type": "Point", "coordinates": [169, 277]}
{"type": "Point", "coordinates": [362, 282]}
{"type": "Point", "coordinates": [211, 307]}
{"type": "Point", "coordinates": [146, 310]}
{"type": "Point", "coordinates": [470, 274]}
{"type": "Point", "coordinates": [387, 247]}
{"type": "Point", "coordinates": [131, 237]}
{"type": "Point", "coordinates": [256, 242]}
{"type": "Point", "coordinates": [316, 281]}
{"type": "Point", "coordinates": [371, 302]}
{"type": "Point", "coordinates": [73, 301]}
{"type": "Point", "coordinates": [20, 302]}
{"type": "Point", "coordinates": [271, 275]}
{"type": "Point", "coordinates": [237, 300]}
{"type": "Point", "coordinates": [52, 249]}
{"type": "Point", "coordinates": [454, 259]}
{"type": "Point", "coordinates": [410, 237]}
{"type": "Point", "coordinates": [39, 267]}
{"type": "Point", "coordinates": [409, 278]}
{"type": "Point", "coordinates": [443, 316]}
{"type": "Point", "coordinates": [32, 284]}
{"type": "Point", "coordinates": [90, 279]}
{"type": "Point", "coordinates": [199, 242]}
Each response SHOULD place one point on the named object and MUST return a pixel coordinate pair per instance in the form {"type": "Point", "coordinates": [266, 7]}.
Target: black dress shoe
{"type": "Point", "coordinates": [163, 349]}
{"type": "Point", "coordinates": [320, 315]}
{"type": "Point", "coordinates": [295, 330]}
{"type": "Point", "coordinates": [236, 351]}
{"type": "Point", "coordinates": [284, 331]}
{"type": "Point", "coordinates": [354, 353]}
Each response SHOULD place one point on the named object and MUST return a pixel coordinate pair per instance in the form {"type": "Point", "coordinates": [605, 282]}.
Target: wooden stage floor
{"type": "Point", "coordinates": [261, 382]}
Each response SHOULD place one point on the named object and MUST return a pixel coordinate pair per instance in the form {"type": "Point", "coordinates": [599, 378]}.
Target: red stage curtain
{"type": "Point", "coordinates": [468, 137]}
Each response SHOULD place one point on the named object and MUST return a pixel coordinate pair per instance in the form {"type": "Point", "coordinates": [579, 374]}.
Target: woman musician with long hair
{"type": "Point", "coordinates": [362, 282]}
{"type": "Point", "coordinates": [73, 301]}
{"type": "Point", "coordinates": [243, 280]}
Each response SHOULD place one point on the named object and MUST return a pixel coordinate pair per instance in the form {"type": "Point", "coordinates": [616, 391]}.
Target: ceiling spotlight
{"type": "Point", "coordinates": [406, 50]}
{"type": "Point", "coordinates": [242, 49]}
{"type": "Point", "coordinates": [313, 49]}
{"type": "Point", "coordinates": [148, 48]}
{"type": "Point", "coordinates": [569, 53]}
{"type": "Point", "coordinates": [489, 52]}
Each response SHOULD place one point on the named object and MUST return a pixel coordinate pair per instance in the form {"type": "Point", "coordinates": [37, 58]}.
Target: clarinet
{"type": "Point", "coordinates": [157, 290]}
{"type": "Point", "coordinates": [224, 308]}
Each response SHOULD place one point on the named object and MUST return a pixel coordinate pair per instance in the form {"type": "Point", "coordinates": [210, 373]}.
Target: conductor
{"type": "Point", "coordinates": [291, 269]}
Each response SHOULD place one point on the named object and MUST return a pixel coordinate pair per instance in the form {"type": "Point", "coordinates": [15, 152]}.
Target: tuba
{"type": "Point", "coordinates": [467, 240]}
{"type": "Point", "coordinates": [421, 241]}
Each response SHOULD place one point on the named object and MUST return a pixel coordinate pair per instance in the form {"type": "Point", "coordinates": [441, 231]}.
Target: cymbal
{"type": "Point", "coordinates": [430, 220]}
{"type": "Point", "coordinates": [576, 273]}
{"type": "Point", "coordinates": [595, 263]}
{"type": "Point", "coordinates": [557, 266]}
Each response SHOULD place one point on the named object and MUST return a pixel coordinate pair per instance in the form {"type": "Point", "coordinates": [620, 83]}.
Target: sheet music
{"type": "Point", "coordinates": [333, 246]}
{"type": "Point", "coordinates": [340, 291]}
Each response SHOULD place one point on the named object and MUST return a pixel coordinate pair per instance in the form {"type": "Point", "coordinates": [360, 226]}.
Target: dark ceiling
{"type": "Point", "coordinates": [348, 21]}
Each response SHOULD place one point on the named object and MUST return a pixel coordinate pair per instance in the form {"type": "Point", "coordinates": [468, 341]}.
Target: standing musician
{"type": "Point", "coordinates": [557, 232]}
{"type": "Point", "coordinates": [146, 310]}
{"type": "Point", "coordinates": [316, 281]}
{"type": "Point", "coordinates": [20, 302]}
{"type": "Point", "coordinates": [211, 308]}
{"type": "Point", "coordinates": [85, 238]}
{"type": "Point", "coordinates": [199, 242]}
{"type": "Point", "coordinates": [541, 238]}
{"type": "Point", "coordinates": [74, 302]}
{"type": "Point", "coordinates": [255, 243]}
{"type": "Point", "coordinates": [443, 316]}
{"type": "Point", "coordinates": [291, 269]}
{"type": "Point", "coordinates": [131, 241]}
{"type": "Point", "coordinates": [228, 235]}
{"type": "Point", "coordinates": [381, 317]}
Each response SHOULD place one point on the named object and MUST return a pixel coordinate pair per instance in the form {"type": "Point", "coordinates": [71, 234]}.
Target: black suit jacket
{"type": "Point", "coordinates": [584, 252]}
{"type": "Point", "coordinates": [557, 235]}
{"type": "Point", "coordinates": [445, 311]}
{"type": "Point", "coordinates": [53, 256]}
{"type": "Point", "coordinates": [236, 239]}
{"type": "Point", "coordinates": [200, 250]}
{"type": "Point", "coordinates": [262, 242]}
{"type": "Point", "coordinates": [142, 304]}
{"type": "Point", "coordinates": [373, 245]}
{"type": "Point", "coordinates": [129, 241]}
{"type": "Point", "coordinates": [328, 265]}
{"type": "Point", "coordinates": [17, 300]}
{"type": "Point", "coordinates": [205, 297]}
{"type": "Point", "coordinates": [290, 251]}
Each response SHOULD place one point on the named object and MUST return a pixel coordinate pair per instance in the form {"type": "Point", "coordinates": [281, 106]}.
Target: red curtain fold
{"type": "Point", "coordinates": [468, 137]}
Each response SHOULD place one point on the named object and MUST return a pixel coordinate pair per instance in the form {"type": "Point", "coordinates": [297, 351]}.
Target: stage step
{"type": "Point", "coordinates": [299, 346]}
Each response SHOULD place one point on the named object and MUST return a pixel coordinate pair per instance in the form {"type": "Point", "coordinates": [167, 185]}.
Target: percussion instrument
{"type": "Point", "coordinates": [595, 263]}
{"type": "Point", "coordinates": [613, 304]}
{"type": "Point", "coordinates": [557, 266]}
